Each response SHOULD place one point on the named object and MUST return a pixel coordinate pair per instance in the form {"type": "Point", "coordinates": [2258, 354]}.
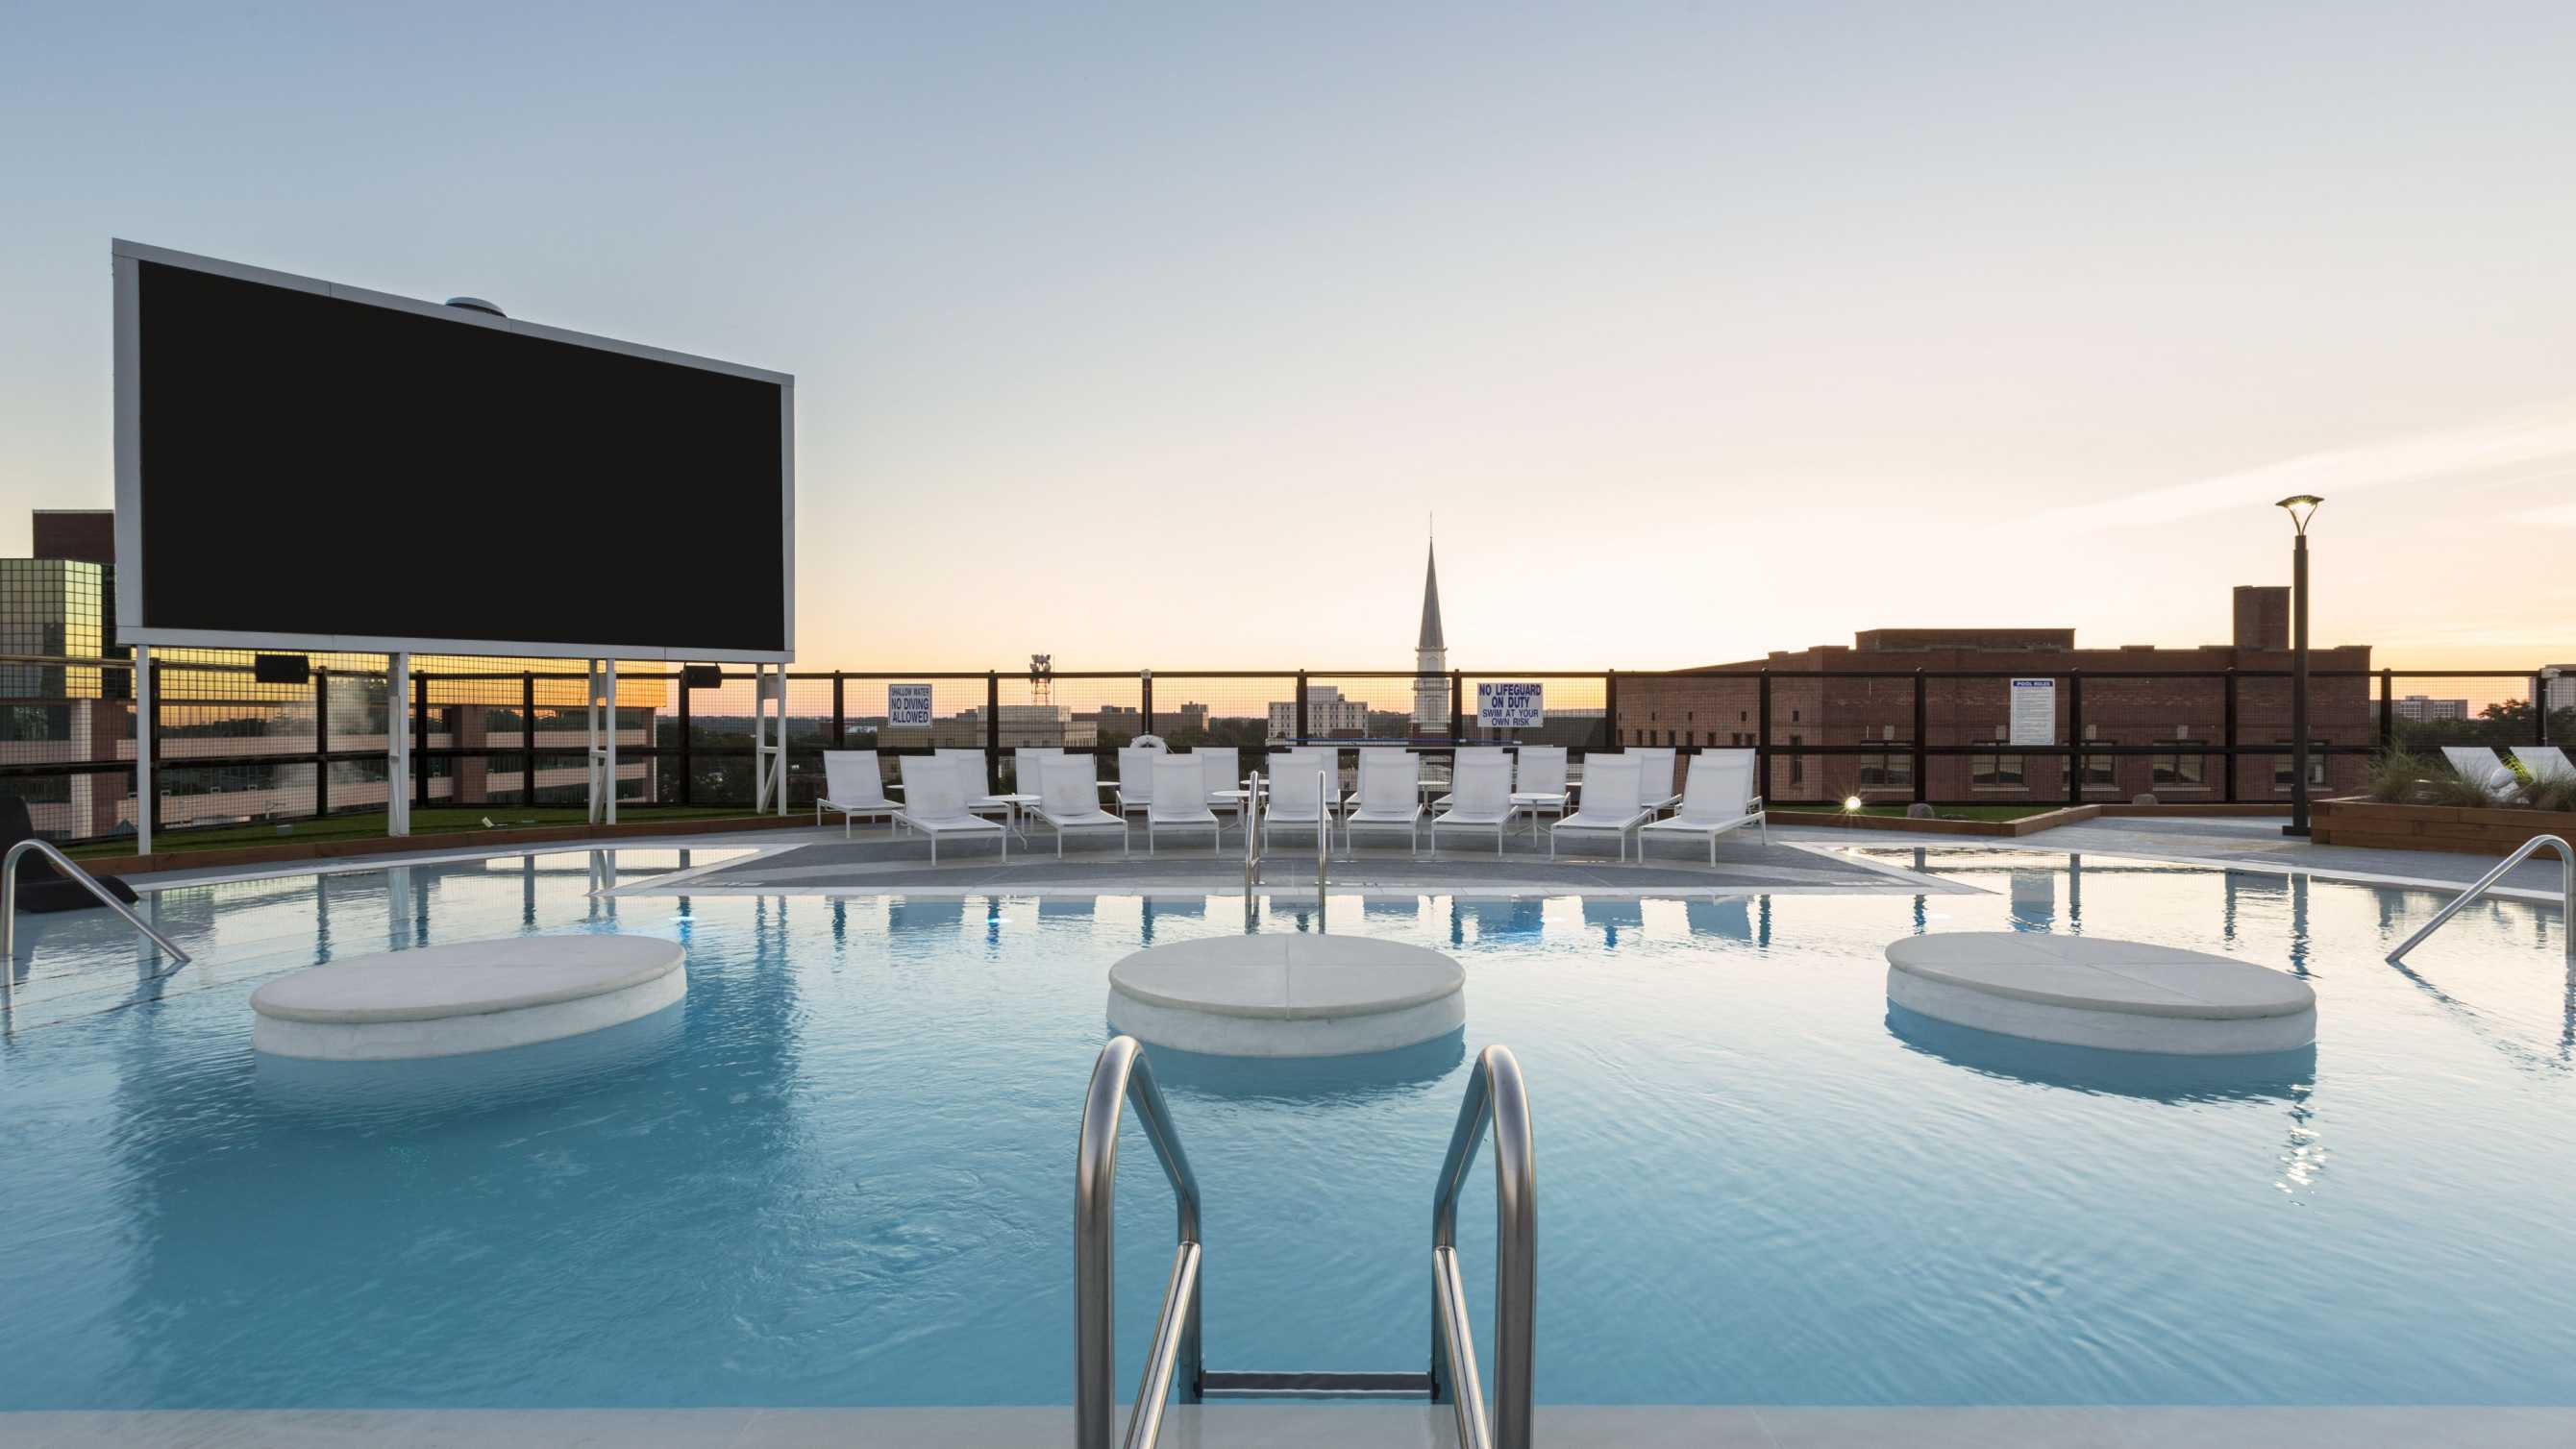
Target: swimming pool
{"type": "Point", "coordinates": [842, 1175]}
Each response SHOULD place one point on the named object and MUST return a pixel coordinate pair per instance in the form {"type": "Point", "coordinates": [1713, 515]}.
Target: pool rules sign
{"type": "Point", "coordinates": [1510, 706]}
{"type": "Point", "coordinates": [2034, 712]}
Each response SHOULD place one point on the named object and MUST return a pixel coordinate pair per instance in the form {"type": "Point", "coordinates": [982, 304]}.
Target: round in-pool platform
{"type": "Point", "coordinates": [1287, 995]}
{"type": "Point", "coordinates": [472, 996]}
{"type": "Point", "coordinates": [2091, 992]}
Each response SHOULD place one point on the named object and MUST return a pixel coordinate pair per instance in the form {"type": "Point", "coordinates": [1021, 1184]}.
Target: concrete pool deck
{"type": "Point", "coordinates": [1802, 859]}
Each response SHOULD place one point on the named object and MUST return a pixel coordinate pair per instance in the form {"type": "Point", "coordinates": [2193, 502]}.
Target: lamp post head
{"type": "Point", "coordinates": [2301, 508]}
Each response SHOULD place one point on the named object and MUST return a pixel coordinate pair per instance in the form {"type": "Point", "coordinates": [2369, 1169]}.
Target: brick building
{"type": "Point", "coordinates": [2157, 720]}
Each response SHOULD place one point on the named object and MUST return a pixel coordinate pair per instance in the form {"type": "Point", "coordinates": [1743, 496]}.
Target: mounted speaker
{"type": "Point", "coordinates": [701, 676]}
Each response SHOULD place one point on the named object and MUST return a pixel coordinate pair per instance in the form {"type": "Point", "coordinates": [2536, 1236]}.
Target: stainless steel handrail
{"type": "Point", "coordinates": [88, 882]}
{"type": "Point", "coordinates": [1496, 1095]}
{"type": "Point", "coordinates": [1251, 847]}
{"type": "Point", "coordinates": [2461, 902]}
{"type": "Point", "coordinates": [1119, 1077]}
{"type": "Point", "coordinates": [1324, 835]}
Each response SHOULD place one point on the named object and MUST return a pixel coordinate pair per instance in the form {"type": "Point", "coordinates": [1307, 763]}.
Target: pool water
{"type": "Point", "coordinates": [841, 1172]}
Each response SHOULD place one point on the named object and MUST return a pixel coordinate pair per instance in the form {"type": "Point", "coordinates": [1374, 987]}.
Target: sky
{"type": "Point", "coordinates": [1155, 336]}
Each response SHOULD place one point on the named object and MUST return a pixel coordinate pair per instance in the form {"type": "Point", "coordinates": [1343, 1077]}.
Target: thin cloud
{"type": "Point", "coordinates": [2517, 440]}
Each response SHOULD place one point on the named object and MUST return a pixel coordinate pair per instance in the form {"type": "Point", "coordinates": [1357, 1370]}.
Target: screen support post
{"type": "Point", "coordinates": [398, 744]}
{"type": "Point", "coordinates": [601, 721]}
{"type": "Point", "coordinates": [769, 754]}
{"type": "Point", "coordinates": [144, 709]}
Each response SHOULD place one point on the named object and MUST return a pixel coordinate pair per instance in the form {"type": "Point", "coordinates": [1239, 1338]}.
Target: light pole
{"type": "Point", "coordinates": [2301, 509]}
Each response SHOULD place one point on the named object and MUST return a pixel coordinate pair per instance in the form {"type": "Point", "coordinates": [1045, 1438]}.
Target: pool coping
{"type": "Point", "coordinates": [1357, 1426]}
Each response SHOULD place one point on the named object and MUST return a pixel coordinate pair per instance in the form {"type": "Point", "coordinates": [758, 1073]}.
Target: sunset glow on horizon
{"type": "Point", "coordinates": [1153, 341]}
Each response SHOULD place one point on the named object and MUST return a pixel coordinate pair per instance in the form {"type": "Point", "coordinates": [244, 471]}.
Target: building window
{"type": "Point", "coordinates": [2101, 769]}
{"type": "Point", "coordinates": [34, 723]}
{"type": "Point", "coordinates": [1996, 769]}
{"type": "Point", "coordinates": [2284, 765]}
{"type": "Point", "coordinates": [1797, 762]}
{"type": "Point", "coordinates": [2184, 765]}
{"type": "Point", "coordinates": [1890, 770]}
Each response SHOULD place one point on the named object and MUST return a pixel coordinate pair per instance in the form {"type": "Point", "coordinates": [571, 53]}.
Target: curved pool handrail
{"type": "Point", "coordinates": [1495, 1095]}
{"type": "Point", "coordinates": [1119, 1077]}
{"type": "Point", "coordinates": [87, 882]}
{"type": "Point", "coordinates": [2485, 883]}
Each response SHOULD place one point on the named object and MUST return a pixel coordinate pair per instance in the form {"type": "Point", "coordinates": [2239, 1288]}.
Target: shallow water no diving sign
{"type": "Point", "coordinates": [908, 704]}
{"type": "Point", "coordinates": [1510, 706]}
{"type": "Point", "coordinates": [2034, 712]}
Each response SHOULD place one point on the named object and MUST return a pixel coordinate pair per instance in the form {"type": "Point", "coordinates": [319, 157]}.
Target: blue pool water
{"type": "Point", "coordinates": [842, 1174]}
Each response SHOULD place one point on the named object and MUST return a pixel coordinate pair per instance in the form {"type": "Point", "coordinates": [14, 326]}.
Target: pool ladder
{"type": "Point", "coordinates": [1253, 855]}
{"type": "Point", "coordinates": [1495, 1097]}
{"type": "Point", "coordinates": [73, 873]}
{"type": "Point", "coordinates": [2487, 882]}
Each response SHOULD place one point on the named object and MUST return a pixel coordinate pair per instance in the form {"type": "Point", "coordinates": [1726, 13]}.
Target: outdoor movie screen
{"type": "Point", "coordinates": [306, 465]}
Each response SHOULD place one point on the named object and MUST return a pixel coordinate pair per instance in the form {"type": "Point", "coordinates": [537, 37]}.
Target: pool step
{"type": "Point", "coordinates": [1297, 1384]}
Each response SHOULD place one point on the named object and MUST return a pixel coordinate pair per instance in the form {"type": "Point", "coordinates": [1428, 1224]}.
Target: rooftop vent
{"type": "Point", "coordinates": [476, 304]}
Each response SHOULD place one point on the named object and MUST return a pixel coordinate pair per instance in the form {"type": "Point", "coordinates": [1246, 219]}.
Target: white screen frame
{"type": "Point", "coordinates": [133, 628]}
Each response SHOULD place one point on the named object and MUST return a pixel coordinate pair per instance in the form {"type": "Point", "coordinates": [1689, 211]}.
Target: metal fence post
{"type": "Point", "coordinates": [1922, 727]}
{"type": "Point", "coordinates": [1145, 699]}
{"type": "Point", "coordinates": [2228, 734]}
{"type": "Point", "coordinates": [2075, 737]}
{"type": "Point", "coordinates": [992, 726]}
{"type": "Point", "coordinates": [2539, 710]}
{"type": "Point", "coordinates": [420, 740]}
{"type": "Point", "coordinates": [688, 771]}
{"type": "Point", "coordinates": [528, 739]}
{"type": "Point", "coordinates": [1457, 704]}
{"type": "Point", "coordinates": [2387, 709]}
{"type": "Point", "coordinates": [840, 711]}
{"type": "Point", "coordinates": [1610, 705]}
{"type": "Point", "coordinates": [321, 743]}
{"type": "Point", "coordinates": [1762, 725]}
{"type": "Point", "coordinates": [1300, 737]}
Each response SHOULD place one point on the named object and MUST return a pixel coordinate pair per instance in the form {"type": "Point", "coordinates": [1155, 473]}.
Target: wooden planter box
{"type": "Point", "coordinates": [2469, 830]}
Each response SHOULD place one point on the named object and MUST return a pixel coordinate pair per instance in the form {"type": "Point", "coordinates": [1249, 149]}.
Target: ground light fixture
{"type": "Point", "coordinates": [2301, 507]}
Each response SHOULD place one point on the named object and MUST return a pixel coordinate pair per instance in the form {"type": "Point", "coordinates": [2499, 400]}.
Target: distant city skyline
{"type": "Point", "coordinates": [1150, 340]}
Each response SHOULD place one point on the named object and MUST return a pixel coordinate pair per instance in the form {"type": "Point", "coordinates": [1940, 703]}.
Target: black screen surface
{"type": "Point", "coordinates": [312, 465]}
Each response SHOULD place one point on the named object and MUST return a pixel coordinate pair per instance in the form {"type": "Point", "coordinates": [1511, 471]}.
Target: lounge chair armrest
{"type": "Point", "coordinates": [1753, 806]}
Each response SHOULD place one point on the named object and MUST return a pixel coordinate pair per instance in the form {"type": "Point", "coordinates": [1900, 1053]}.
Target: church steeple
{"type": "Point", "coordinates": [1430, 600]}
{"type": "Point", "coordinates": [1431, 682]}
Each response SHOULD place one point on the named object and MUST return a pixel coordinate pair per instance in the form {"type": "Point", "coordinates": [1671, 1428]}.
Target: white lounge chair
{"type": "Point", "coordinates": [1221, 785]}
{"type": "Point", "coordinates": [853, 785]}
{"type": "Point", "coordinates": [1655, 771]}
{"type": "Point", "coordinates": [2479, 766]}
{"type": "Point", "coordinates": [1297, 797]}
{"type": "Point", "coordinates": [1462, 755]}
{"type": "Point", "coordinates": [974, 779]}
{"type": "Point", "coordinates": [1610, 802]}
{"type": "Point", "coordinates": [1390, 798]}
{"type": "Point", "coordinates": [2544, 763]}
{"type": "Point", "coordinates": [1070, 801]}
{"type": "Point", "coordinates": [1329, 760]}
{"type": "Point", "coordinates": [934, 803]}
{"type": "Point", "coordinates": [1028, 772]}
{"type": "Point", "coordinates": [1480, 798]}
{"type": "Point", "coordinates": [1719, 798]}
{"type": "Point", "coordinates": [1180, 801]}
{"type": "Point", "coordinates": [1538, 786]}
{"type": "Point", "coordinates": [1135, 778]}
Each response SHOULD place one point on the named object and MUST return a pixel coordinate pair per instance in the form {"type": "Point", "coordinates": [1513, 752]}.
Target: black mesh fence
{"type": "Point", "coordinates": [507, 740]}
